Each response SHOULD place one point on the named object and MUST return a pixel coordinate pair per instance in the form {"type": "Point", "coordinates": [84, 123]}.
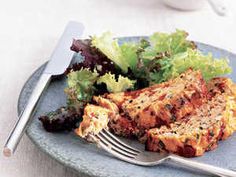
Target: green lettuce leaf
{"type": "Point", "coordinates": [80, 88]}
{"type": "Point", "coordinates": [129, 53]}
{"type": "Point", "coordinates": [110, 47]}
{"type": "Point", "coordinates": [171, 44]}
{"type": "Point", "coordinates": [175, 65]}
{"type": "Point", "coordinates": [120, 85]}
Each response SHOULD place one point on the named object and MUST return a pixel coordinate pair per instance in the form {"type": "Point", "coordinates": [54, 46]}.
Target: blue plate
{"type": "Point", "coordinates": [87, 159]}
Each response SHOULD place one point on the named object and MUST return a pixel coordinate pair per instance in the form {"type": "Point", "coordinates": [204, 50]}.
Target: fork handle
{"type": "Point", "coordinates": [201, 166]}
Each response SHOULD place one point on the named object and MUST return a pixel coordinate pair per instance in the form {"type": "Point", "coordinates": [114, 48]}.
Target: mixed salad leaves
{"type": "Point", "coordinates": [112, 67]}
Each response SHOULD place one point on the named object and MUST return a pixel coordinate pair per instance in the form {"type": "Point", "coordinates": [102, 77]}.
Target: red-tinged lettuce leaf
{"type": "Point", "coordinates": [93, 58]}
{"type": "Point", "coordinates": [62, 119]}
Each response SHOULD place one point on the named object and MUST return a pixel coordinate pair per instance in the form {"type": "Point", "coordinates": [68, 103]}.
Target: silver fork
{"type": "Point", "coordinates": [121, 150]}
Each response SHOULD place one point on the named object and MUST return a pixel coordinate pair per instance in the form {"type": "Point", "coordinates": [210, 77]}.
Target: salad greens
{"type": "Point", "coordinates": [110, 67]}
{"type": "Point", "coordinates": [116, 85]}
{"type": "Point", "coordinates": [171, 67]}
{"type": "Point", "coordinates": [173, 43]}
{"type": "Point", "coordinates": [80, 88]}
{"type": "Point", "coordinates": [110, 47]}
{"type": "Point", "coordinates": [93, 58]}
{"type": "Point", "coordinates": [208, 66]}
{"type": "Point", "coordinates": [167, 43]}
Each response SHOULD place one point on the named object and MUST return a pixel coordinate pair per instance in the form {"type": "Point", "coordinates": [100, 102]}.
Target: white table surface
{"type": "Point", "coordinates": [30, 29]}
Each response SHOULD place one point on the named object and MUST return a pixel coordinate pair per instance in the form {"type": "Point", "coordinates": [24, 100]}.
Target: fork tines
{"type": "Point", "coordinates": [115, 146]}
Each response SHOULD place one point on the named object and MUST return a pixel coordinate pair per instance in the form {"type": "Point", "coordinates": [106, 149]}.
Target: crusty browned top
{"type": "Point", "coordinates": [162, 103]}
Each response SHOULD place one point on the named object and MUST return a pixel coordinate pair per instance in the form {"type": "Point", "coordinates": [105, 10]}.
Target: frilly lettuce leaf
{"type": "Point", "coordinates": [113, 85]}
{"type": "Point", "coordinates": [171, 44]}
{"type": "Point", "coordinates": [175, 65]}
{"type": "Point", "coordinates": [209, 66]}
{"type": "Point", "coordinates": [110, 47]}
{"type": "Point", "coordinates": [80, 88]}
{"type": "Point", "coordinates": [133, 55]}
{"type": "Point", "coordinates": [129, 53]}
{"type": "Point", "coordinates": [91, 58]}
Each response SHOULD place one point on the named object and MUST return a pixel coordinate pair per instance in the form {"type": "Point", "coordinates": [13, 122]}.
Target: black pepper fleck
{"type": "Point", "coordinates": [181, 101]}
{"type": "Point", "coordinates": [173, 118]}
{"type": "Point", "coordinates": [211, 133]}
{"type": "Point", "coordinates": [168, 106]}
{"type": "Point", "coordinates": [198, 136]}
{"type": "Point", "coordinates": [161, 144]}
{"type": "Point", "coordinates": [152, 113]}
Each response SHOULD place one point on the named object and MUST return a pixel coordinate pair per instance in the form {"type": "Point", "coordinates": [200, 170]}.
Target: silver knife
{"type": "Point", "coordinates": [60, 60]}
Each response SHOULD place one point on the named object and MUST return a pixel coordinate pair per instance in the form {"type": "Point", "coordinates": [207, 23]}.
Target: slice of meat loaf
{"type": "Point", "coordinates": [160, 104]}
{"type": "Point", "coordinates": [200, 132]}
{"type": "Point", "coordinates": [132, 113]}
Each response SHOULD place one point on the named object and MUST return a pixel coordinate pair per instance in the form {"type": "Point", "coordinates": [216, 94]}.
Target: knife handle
{"type": "Point", "coordinates": [25, 115]}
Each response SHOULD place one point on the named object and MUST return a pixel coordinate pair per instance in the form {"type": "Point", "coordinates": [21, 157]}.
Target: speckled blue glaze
{"type": "Point", "coordinates": [88, 160]}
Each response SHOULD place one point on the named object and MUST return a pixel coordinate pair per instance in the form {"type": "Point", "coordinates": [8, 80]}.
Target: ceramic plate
{"type": "Point", "coordinates": [89, 160]}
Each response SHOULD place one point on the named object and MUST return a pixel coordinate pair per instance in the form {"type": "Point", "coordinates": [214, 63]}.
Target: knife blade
{"type": "Point", "coordinates": [59, 61]}
{"type": "Point", "coordinates": [62, 55]}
